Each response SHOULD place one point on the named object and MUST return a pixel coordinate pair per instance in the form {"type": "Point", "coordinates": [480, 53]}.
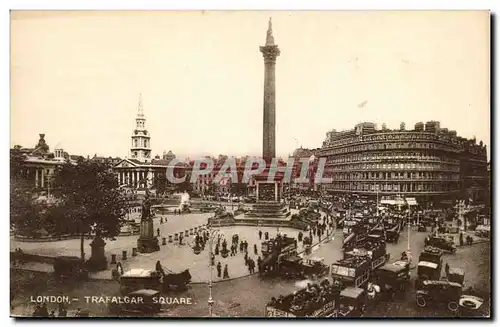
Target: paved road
{"type": "Point", "coordinates": [247, 296]}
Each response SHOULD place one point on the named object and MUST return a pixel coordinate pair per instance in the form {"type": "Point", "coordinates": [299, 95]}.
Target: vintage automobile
{"type": "Point", "coordinates": [352, 302]}
{"type": "Point", "coordinates": [69, 267]}
{"type": "Point", "coordinates": [138, 279]}
{"type": "Point", "coordinates": [471, 306]}
{"type": "Point", "coordinates": [315, 266]}
{"type": "Point", "coordinates": [393, 234]}
{"type": "Point", "coordinates": [422, 228]}
{"type": "Point", "coordinates": [483, 231]}
{"type": "Point", "coordinates": [427, 271]}
{"type": "Point", "coordinates": [378, 231]}
{"type": "Point", "coordinates": [439, 292]}
{"type": "Point", "coordinates": [431, 254]}
{"type": "Point", "coordinates": [456, 275]}
{"type": "Point", "coordinates": [441, 243]}
{"type": "Point", "coordinates": [291, 267]}
{"type": "Point", "coordinates": [144, 301]}
{"type": "Point", "coordinates": [392, 278]}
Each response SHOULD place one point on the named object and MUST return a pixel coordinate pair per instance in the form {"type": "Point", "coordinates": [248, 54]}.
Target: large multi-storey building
{"type": "Point", "coordinates": [427, 162]}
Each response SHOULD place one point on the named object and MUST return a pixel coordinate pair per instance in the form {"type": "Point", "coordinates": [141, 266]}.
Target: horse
{"type": "Point", "coordinates": [179, 281]}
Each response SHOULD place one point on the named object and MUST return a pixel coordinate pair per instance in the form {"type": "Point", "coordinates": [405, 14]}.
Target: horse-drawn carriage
{"type": "Point", "coordinates": [158, 279]}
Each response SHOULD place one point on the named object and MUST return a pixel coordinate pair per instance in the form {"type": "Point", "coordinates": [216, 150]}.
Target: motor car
{"type": "Point", "coordinates": [441, 243]}
{"type": "Point", "coordinates": [439, 292]}
{"type": "Point", "coordinates": [352, 302]}
{"type": "Point", "coordinates": [392, 278]}
{"type": "Point", "coordinates": [456, 275]}
{"type": "Point", "coordinates": [144, 301]}
{"type": "Point", "coordinates": [427, 271]}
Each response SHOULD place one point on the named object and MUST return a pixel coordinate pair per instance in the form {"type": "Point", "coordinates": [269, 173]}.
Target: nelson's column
{"type": "Point", "coordinates": [269, 191]}
{"type": "Point", "coordinates": [270, 52]}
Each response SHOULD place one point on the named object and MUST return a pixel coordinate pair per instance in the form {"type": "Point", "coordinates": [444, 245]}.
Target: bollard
{"type": "Point", "coordinates": [186, 232]}
{"type": "Point", "coordinates": [181, 234]}
{"type": "Point", "coordinates": [196, 230]}
{"type": "Point", "coordinates": [170, 238]}
{"type": "Point", "coordinates": [163, 241]}
{"type": "Point", "coordinates": [113, 258]}
{"type": "Point", "coordinates": [124, 255]}
{"type": "Point", "coordinates": [191, 231]}
{"type": "Point", "coordinates": [134, 252]}
{"type": "Point", "coordinates": [176, 237]}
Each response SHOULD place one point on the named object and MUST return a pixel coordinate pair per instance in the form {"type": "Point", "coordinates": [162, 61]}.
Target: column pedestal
{"type": "Point", "coordinates": [97, 261]}
{"type": "Point", "coordinates": [147, 243]}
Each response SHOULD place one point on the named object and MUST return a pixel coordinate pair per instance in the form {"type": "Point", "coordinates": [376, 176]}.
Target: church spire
{"type": "Point", "coordinates": [140, 110]}
{"type": "Point", "coordinates": [270, 37]}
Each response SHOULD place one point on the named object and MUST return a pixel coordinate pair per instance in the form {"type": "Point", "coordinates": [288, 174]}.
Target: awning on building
{"type": "Point", "coordinates": [411, 201]}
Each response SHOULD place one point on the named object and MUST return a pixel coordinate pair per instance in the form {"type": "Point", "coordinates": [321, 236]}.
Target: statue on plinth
{"type": "Point", "coordinates": [147, 242]}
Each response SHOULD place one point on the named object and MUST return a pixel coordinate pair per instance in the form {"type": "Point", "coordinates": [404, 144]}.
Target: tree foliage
{"type": "Point", "coordinates": [160, 183]}
{"type": "Point", "coordinates": [25, 213]}
{"type": "Point", "coordinates": [89, 198]}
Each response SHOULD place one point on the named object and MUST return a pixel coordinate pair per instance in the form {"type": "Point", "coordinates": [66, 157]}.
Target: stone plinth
{"type": "Point", "coordinates": [268, 194]}
{"type": "Point", "coordinates": [147, 243]}
{"type": "Point", "coordinates": [97, 261]}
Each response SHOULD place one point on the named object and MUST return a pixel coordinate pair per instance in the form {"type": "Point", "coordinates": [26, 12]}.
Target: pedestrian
{"type": "Point", "coordinates": [36, 311]}
{"type": "Point", "coordinates": [259, 263]}
{"type": "Point", "coordinates": [461, 239]}
{"type": "Point", "coordinates": [62, 311]}
{"type": "Point", "coordinates": [246, 259]}
{"type": "Point", "coordinates": [260, 234]}
{"type": "Point", "coordinates": [447, 269]}
{"type": "Point", "coordinates": [158, 232]}
{"type": "Point", "coordinates": [241, 246]}
{"type": "Point", "coordinates": [251, 266]}
{"type": "Point", "coordinates": [255, 249]}
{"type": "Point", "coordinates": [226, 273]}
{"type": "Point", "coordinates": [52, 314]}
{"type": "Point", "coordinates": [78, 311]}
{"type": "Point", "coordinates": [266, 236]}
{"type": "Point", "coordinates": [219, 269]}
{"type": "Point", "coordinates": [43, 310]}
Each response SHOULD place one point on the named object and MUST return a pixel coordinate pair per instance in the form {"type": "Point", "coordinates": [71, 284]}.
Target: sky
{"type": "Point", "coordinates": [77, 76]}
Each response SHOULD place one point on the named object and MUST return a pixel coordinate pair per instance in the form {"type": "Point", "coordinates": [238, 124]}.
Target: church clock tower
{"type": "Point", "coordinates": [141, 140]}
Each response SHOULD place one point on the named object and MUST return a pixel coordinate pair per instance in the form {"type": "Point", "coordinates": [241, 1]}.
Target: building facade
{"type": "Point", "coordinates": [426, 162]}
{"type": "Point", "coordinates": [141, 140]}
{"type": "Point", "coordinates": [39, 163]}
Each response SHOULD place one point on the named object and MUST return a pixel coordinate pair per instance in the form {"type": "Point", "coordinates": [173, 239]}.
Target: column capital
{"type": "Point", "coordinates": [270, 53]}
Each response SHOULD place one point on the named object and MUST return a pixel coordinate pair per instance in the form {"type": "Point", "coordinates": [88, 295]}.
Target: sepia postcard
{"type": "Point", "coordinates": [233, 164]}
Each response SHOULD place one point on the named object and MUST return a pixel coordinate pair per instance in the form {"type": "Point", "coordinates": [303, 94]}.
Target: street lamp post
{"type": "Point", "coordinates": [409, 227]}
{"type": "Point", "coordinates": [211, 237]}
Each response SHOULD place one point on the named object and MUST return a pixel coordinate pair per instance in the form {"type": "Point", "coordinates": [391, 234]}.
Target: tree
{"type": "Point", "coordinates": [160, 183]}
{"type": "Point", "coordinates": [185, 186]}
{"type": "Point", "coordinates": [90, 198]}
{"type": "Point", "coordinates": [24, 212]}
